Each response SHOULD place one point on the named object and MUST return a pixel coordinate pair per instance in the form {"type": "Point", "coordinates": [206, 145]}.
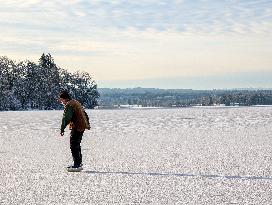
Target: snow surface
{"type": "Point", "coordinates": [164, 156]}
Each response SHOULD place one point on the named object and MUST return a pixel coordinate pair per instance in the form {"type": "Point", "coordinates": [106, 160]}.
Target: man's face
{"type": "Point", "coordinates": [63, 101]}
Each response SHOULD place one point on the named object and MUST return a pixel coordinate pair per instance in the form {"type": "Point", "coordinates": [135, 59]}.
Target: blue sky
{"type": "Point", "coordinates": [149, 43]}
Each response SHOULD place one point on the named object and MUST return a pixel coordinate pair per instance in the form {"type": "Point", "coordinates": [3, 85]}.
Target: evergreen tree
{"type": "Point", "coordinates": [27, 85]}
{"type": "Point", "coordinates": [50, 82]}
{"type": "Point", "coordinates": [19, 88]}
{"type": "Point", "coordinates": [7, 80]}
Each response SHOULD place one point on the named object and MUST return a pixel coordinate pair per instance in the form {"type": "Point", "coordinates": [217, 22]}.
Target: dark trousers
{"type": "Point", "coordinates": [75, 140]}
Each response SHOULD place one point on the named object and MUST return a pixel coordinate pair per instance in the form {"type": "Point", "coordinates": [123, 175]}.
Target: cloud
{"type": "Point", "coordinates": [181, 15]}
{"type": "Point", "coordinates": [140, 39]}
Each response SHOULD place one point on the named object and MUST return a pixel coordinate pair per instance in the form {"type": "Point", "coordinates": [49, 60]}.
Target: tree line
{"type": "Point", "coordinates": [152, 97]}
{"type": "Point", "coordinates": [27, 85]}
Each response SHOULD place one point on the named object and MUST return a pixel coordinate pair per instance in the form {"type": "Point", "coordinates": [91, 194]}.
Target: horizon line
{"type": "Point", "coordinates": [139, 87]}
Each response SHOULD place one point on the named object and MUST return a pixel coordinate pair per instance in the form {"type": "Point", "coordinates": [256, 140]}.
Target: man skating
{"type": "Point", "coordinates": [77, 119]}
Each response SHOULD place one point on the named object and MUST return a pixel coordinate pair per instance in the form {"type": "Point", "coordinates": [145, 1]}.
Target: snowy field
{"type": "Point", "coordinates": [156, 156]}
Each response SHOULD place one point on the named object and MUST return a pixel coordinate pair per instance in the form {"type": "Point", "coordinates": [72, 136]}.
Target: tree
{"type": "Point", "coordinates": [27, 85]}
{"type": "Point", "coordinates": [7, 79]}
{"type": "Point", "coordinates": [83, 88]}
{"type": "Point", "coordinates": [50, 82]}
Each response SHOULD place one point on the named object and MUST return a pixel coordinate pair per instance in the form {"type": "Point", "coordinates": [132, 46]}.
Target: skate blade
{"type": "Point", "coordinates": [74, 169]}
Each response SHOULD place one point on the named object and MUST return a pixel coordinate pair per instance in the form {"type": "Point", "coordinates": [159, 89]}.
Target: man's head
{"type": "Point", "coordinates": [64, 97]}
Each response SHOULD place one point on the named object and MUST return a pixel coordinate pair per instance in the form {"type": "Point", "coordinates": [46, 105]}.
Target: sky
{"type": "Point", "coordinates": [198, 44]}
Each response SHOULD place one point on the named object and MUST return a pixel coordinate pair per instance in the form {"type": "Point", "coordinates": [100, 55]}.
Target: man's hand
{"type": "Point", "coordinates": [62, 133]}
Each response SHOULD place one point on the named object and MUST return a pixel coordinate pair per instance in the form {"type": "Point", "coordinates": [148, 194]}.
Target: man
{"type": "Point", "coordinates": [77, 119]}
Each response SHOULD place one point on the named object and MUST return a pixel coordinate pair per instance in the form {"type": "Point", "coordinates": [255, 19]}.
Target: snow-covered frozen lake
{"type": "Point", "coordinates": [151, 156]}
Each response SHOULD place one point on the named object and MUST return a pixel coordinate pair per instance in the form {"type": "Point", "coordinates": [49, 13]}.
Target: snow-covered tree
{"type": "Point", "coordinates": [50, 82]}
{"type": "Point", "coordinates": [85, 89]}
{"type": "Point", "coordinates": [27, 85]}
{"type": "Point", "coordinates": [7, 79]}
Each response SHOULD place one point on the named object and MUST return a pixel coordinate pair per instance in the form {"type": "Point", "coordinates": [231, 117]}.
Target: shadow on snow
{"type": "Point", "coordinates": [181, 175]}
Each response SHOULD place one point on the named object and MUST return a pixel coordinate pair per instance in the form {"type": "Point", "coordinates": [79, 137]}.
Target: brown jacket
{"type": "Point", "coordinates": [74, 116]}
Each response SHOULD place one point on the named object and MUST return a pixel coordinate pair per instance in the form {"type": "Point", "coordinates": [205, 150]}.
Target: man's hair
{"type": "Point", "coordinates": [65, 95]}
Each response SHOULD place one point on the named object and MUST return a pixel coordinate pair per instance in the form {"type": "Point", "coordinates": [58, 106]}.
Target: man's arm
{"type": "Point", "coordinates": [66, 119]}
{"type": "Point", "coordinates": [87, 119]}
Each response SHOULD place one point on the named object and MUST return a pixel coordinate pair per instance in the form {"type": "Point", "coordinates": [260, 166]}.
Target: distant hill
{"type": "Point", "coordinates": [154, 97]}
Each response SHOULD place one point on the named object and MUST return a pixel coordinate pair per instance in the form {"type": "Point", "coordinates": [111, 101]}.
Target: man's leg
{"type": "Point", "coordinates": [75, 147]}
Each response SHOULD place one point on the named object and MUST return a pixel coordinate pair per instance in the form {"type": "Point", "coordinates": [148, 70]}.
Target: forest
{"type": "Point", "coordinates": [27, 85]}
{"type": "Point", "coordinates": [152, 97]}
